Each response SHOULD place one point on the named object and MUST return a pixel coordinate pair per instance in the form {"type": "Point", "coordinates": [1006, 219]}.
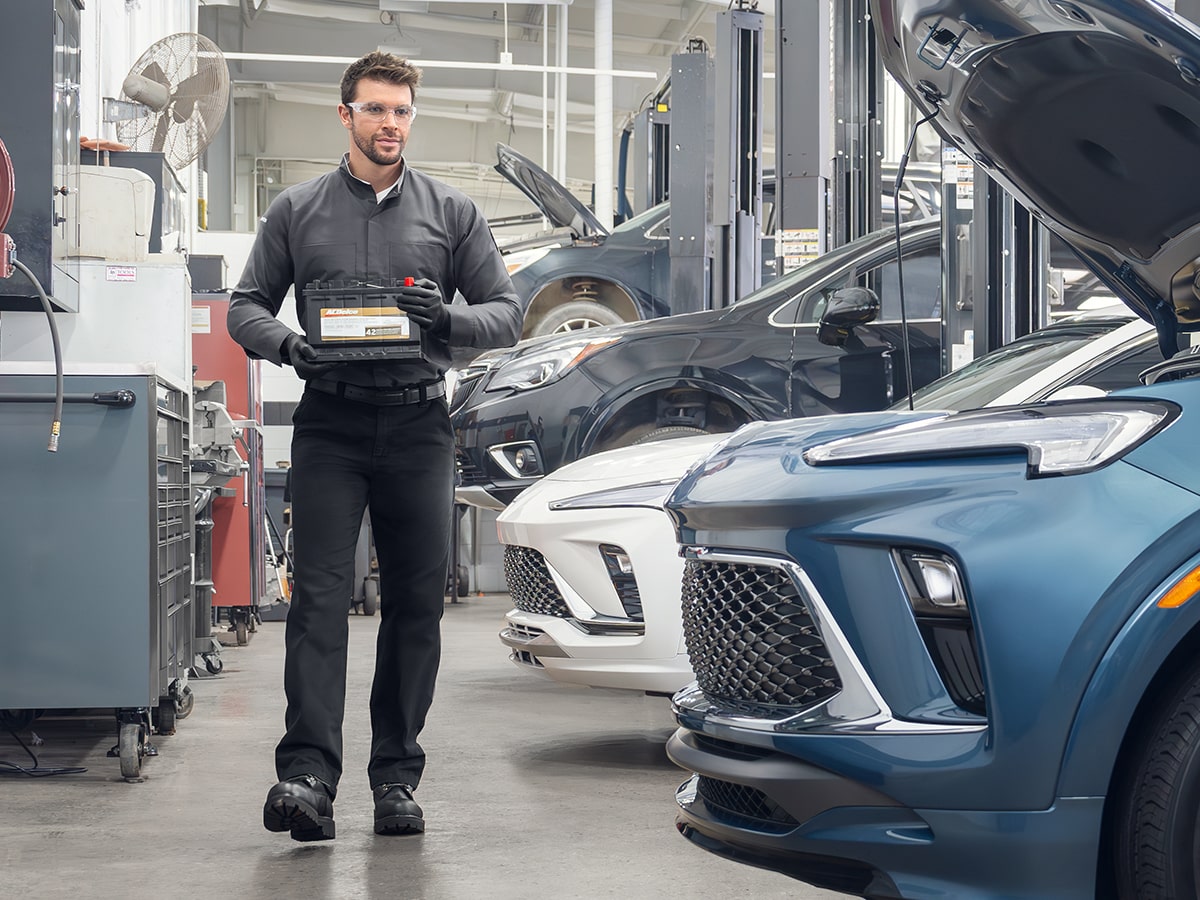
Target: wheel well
{"type": "Point", "coordinates": [579, 287]}
{"type": "Point", "coordinates": [669, 406]}
{"type": "Point", "coordinates": [1159, 691]}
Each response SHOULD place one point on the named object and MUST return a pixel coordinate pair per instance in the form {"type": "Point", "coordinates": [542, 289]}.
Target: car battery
{"type": "Point", "coordinates": [358, 321]}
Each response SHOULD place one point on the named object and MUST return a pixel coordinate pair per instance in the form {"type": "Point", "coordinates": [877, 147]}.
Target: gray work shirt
{"type": "Point", "coordinates": [332, 228]}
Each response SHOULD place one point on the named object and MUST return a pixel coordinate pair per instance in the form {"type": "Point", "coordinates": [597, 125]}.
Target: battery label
{"type": "Point", "coordinates": [374, 323]}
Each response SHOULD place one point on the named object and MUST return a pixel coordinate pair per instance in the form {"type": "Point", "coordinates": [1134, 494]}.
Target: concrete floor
{"type": "Point", "coordinates": [532, 790]}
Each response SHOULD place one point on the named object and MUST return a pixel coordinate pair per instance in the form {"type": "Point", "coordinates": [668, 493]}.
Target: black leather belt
{"type": "Point", "coordinates": [418, 393]}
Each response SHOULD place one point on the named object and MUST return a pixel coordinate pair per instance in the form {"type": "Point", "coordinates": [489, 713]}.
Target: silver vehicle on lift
{"type": "Point", "coordinates": [582, 274]}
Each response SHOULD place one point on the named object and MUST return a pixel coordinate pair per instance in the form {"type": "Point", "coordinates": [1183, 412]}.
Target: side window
{"type": "Point", "coordinates": [1123, 372]}
{"type": "Point", "coordinates": [660, 230]}
{"type": "Point", "coordinates": [922, 288]}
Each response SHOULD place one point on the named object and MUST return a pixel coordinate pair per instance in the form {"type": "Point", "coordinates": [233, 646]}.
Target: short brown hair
{"type": "Point", "coordinates": [379, 66]}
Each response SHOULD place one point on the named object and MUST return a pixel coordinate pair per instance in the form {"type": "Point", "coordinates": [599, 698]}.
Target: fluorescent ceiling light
{"type": "Point", "coordinates": [412, 6]}
{"type": "Point", "coordinates": [764, 6]}
{"type": "Point", "coordinates": [442, 64]}
{"type": "Point", "coordinates": [407, 52]}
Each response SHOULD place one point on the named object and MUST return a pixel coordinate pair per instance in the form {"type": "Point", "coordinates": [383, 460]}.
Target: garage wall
{"type": "Point", "coordinates": [113, 34]}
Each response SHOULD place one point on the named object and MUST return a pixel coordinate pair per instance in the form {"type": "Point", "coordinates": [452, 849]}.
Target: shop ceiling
{"type": "Point", "coordinates": [287, 49]}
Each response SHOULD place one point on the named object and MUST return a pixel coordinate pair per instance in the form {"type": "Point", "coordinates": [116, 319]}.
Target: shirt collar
{"type": "Point", "coordinates": [379, 195]}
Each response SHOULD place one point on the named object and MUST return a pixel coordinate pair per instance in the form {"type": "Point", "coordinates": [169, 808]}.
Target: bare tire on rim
{"type": "Point", "coordinates": [576, 316]}
{"type": "Point", "coordinates": [1157, 831]}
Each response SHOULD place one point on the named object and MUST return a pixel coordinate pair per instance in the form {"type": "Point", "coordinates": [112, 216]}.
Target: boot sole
{"type": "Point", "coordinates": [400, 825]}
{"type": "Point", "coordinates": [300, 819]}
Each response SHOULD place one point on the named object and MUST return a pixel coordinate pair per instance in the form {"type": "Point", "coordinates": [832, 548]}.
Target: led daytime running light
{"type": "Point", "coordinates": [1061, 438]}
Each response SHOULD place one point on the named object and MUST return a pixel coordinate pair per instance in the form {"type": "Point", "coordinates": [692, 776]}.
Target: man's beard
{"type": "Point", "coordinates": [366, 144]}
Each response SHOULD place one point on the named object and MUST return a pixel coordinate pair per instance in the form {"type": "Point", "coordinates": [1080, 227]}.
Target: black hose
{"type": "Point", "coordinates": [912, 136]}
{"type": "Point", "coordinates": [56, 425]}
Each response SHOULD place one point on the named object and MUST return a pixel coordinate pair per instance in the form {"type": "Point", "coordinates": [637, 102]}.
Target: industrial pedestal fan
{"type": "Point", "coordinates": [183, 82]}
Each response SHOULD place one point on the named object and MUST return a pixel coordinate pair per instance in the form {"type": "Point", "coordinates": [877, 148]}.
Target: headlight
{"type": "Point", "coordinates": [652, 494]}
{"type": "Point", "coordinates": [519, 259]}
{"type": "Point", "coordinates": [544, 366]}
{"type": "Point", "coordinates": [1058, 438]}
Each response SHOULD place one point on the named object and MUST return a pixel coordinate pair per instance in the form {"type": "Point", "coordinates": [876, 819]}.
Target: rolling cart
{"type": "Point", "coordinates": [96, 550]}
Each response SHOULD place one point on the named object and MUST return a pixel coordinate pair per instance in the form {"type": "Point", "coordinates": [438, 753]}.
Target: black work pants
{"type": "Point", "coordinates": [399, 461]}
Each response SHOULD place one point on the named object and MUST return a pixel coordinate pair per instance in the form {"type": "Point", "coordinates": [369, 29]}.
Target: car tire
{"type": "Point", "coordinates": [1158, 829]}
{"type": "Point", "coordinates": [575, 316]}
{"type": "Point", "coordinates": [668, 432]}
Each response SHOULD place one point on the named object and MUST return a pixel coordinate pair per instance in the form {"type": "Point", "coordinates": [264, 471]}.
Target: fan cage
{"type": "Point", "coordinates": [194, 71]}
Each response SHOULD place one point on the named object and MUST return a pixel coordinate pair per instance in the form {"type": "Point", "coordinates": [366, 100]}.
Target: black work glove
{"type": "Point", "coordinates": [299, 354]}
{"type": "Point", "coordinates": [424, 305]}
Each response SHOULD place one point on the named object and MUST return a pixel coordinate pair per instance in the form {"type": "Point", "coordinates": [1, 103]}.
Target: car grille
{"type": "Point", "coordinates": [743, 807]}
{"type": "Point", "coordinates": [530, 585]}
{"type": "Point", "coordinates": [468, 472]}
{"type": "Point", "coordinates": [752, 641]}
{"type": "Point", "coordinates": [468, 380]}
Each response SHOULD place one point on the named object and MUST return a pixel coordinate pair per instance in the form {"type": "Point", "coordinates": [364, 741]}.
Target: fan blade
{"type": "Point", "coordinates": [202, 84]}
{"type": "Point", "coordinates": [154, 72]}
{"type": "Point", "coordinates": [181, 110]}
{"type": "Point", "coordinates": [160, 132]}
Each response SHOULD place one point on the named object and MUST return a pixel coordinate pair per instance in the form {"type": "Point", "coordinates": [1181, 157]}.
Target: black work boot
{"type": "Point", "coordinates": [301, 805]}
{"type": "Point", "coordinates": [396, 812]}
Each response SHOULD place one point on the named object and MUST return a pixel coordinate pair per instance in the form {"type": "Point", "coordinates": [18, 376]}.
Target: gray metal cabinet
{"type": "Point", "coordinates": [96, 549]}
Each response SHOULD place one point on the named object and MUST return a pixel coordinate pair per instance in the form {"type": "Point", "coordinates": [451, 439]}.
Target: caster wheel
{"type": "Point", "coordinates": [214, 664]}
{"type": "Point", "coordinates": [243, 632]}
{"type": "Point", "coordinates": [165, 720]}
{"type": "Point", "coordinates": [130, 746]}
{"type": "Point", "coordinates": [186, 702]}
{"type": "Point", "coordinates": [370, 601]}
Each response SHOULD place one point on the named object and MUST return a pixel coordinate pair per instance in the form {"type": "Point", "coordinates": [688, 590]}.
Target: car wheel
{"type": "Point", "coordinates": [1158, 832]}
{"type": "Point", "coordinates": [576, 316]}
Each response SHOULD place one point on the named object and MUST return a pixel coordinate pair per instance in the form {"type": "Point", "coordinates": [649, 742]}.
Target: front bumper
{"type": "Point", "coordinates": [491, 495]}
{"type": "Point", "coordinates": [770, 810]}
{"type": "Point", "coordinates": [490, 427]}
{"type": "Point", "coordinates": [571, 624]}
{"type": "Point", "coordinates": [554, 648]}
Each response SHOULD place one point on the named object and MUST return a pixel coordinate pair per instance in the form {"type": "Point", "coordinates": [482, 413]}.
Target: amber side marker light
{"type": "Point", "coordinates": [1184, 590]}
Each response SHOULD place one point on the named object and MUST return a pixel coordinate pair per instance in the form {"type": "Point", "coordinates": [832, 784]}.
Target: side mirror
{"type": "Point", "coordinates": [847, 309]}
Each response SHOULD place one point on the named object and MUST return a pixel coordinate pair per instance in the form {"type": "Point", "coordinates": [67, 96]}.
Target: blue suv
{"type": "Point", "coordinates": [958, 655]}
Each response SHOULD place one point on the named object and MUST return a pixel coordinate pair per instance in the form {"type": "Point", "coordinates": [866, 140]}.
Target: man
{"type": "Point", "coordinates": [369, 435]}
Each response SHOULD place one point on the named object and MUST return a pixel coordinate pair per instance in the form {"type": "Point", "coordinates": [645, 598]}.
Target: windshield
{"type": "Point", "coordinates": [983, 380]}
{"type": "Point", "coordinates": [643, 219]}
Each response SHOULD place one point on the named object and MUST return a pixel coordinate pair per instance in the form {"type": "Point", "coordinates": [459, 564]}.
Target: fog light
{"type": "Point", "coordinates": [939, 601]}
{"type": "Point", "coordinates": [518, 460]}
{"type": "Point", "coordinates": [933, 583]}
{"type": "Point", "coordinates": [941, 582]}
{"type": "Point", "coordinates": [526, 461]}
{"type": "Point", "coordinates": [620, 570]}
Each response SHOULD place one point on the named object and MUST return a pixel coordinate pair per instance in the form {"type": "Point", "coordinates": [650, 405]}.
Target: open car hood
{"type": "Point", "coordinates": [1088, 112]}
{"type": "Point", "coordinates": [556, 203]}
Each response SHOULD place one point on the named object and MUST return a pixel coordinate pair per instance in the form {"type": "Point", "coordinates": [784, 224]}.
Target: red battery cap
{"type": "Point", "coordinates": [409, 281]}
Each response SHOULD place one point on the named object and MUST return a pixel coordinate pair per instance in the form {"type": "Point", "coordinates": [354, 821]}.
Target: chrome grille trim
{"type": "Point", "coordinates": [858, 707]}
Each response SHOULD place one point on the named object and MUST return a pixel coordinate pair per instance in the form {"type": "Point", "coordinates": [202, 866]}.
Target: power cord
{"type": "Point", "coordinates": [37, 771]}
{"type": "Point", "coordinates": [56, 424]}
